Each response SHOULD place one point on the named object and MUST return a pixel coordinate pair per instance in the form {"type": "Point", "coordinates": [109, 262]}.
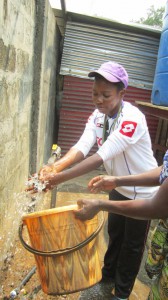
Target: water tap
{"type": "Point", "coordinates": [55, 154]}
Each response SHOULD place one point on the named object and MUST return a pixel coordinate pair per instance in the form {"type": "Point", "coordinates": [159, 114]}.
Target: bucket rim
{"type": "Point", "coordinates": [50, 211]}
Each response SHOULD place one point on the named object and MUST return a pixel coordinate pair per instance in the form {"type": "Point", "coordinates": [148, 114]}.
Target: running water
{"type": "Point", "coordinates": [22, 203]}
{"type": "Point", "coordinates": [34, 182]}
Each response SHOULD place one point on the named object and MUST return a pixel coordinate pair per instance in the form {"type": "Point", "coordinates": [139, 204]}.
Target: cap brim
{"type": "Point", "coordinates": [107, 76]}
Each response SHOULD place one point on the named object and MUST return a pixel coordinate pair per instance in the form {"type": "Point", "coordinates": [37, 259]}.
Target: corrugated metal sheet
{"type": "Point", "coordinates": [77, 106]}
{"type": "Point", "coordinates": [87, 46]}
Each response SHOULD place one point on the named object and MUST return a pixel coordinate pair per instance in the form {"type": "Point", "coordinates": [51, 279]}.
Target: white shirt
{"type": "Point", "coordinates": [127, 149]}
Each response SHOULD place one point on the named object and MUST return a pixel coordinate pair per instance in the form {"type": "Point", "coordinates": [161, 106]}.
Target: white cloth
{"type": "Point", "coordinates": [127, 149]}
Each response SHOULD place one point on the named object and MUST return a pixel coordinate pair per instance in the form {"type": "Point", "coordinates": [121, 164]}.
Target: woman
{"type": "Point", "coordinates": [122, 137]}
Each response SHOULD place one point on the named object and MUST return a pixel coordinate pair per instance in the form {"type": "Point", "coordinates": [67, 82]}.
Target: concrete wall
{"type": "Point", "coordinates": [28, 55]}
{"type": "Point", "coordinates": [49, 85]}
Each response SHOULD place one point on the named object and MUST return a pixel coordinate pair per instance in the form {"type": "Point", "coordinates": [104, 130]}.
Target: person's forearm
{"type": "Point", "coordinates": [150, 178]}
{"type": "Point", "coordinates": [154, 208]}
{"type": "Point", "coordinates": [71, 157]}
{"type": "Point", "coordinates": [87, 165]}
{"type": "Point", "coordinates": [144, 209]}
{"type": "Point", "coordinates": [137, 209]}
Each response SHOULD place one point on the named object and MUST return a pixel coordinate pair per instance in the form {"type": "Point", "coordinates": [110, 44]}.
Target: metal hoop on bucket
{"type": "Point", "coordinates": [60, 251]}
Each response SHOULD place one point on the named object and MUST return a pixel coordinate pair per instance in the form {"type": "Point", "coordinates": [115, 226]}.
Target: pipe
{"type": "Point", "coordinates": [28, 276]}
{"type": "Point", "coordinates": [63, 6]}
{"type": "Point", "coordinates": [16, 291]}
{"type": "Point", "coordinates": [53, 197]}
{"type": "Point", "coordinates": [55, 155]}
{"type": "Point", "coordinates": [34, 292]}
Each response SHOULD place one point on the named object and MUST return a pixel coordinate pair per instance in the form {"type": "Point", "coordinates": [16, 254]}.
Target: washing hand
{"type": "Point", "coordinates": [47, 169]}
{"type": "Point", "coordinates": [45, 180]}
{"type": "Point", "coordinates": [34, 185]}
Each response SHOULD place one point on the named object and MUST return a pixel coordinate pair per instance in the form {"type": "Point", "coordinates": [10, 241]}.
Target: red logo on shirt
{"type": "Point", "coordinates": [99, 141]}
{"type": "Point", "coordinates": [128, 128]}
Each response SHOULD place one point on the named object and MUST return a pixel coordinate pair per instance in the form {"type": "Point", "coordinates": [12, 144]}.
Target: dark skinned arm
{"type": "Point", "coordinates": [144, 209]}
{"type": "Point", "coordinates": [107, 183]}
{"type": "Point", "coordinates": [79, 169]}
{"type": "Point", "coordinates": [71, 157]}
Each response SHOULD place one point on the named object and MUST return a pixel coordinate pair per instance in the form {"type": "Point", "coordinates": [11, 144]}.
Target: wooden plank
{"type": "Point", "coordinates": [157, 138]}
{"type": "Point", "coordinates": [161, 140]}
{"type": "Point", "coordinates": [154, 110]}
{"type": "Point", "coordinates": [159, 147]}
{"type": "Point", "coordinates": [158, 131]}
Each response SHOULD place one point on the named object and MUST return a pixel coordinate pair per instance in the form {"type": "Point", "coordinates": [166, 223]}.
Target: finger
{"type": "Point", "coordinates": [32, 192]}
{"type": "Point", "coordinates": [43, 178]}
{"type": "Point", "coordinates": [95, 190]}
{"type": "Point", "coordinates": [79, 214]}
{"type": "Point", "coordinates": [98, 184]}
{"type": "Point", "coordinates": [93, 180]}
{"type": "Point", "coordinates": [44, 171]}
{"type": "Point", "coordinates": [29, 189]}
{"type": "Point", "coordinates": [42, 175]}
{"type": "Point", "coordinates": [45, 190]}
{"type": "Point", "coordinates": [80, 202]}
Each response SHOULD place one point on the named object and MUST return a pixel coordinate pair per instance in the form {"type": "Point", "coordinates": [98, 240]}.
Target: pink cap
{"type": "Point", "coordinates": [112, 72]}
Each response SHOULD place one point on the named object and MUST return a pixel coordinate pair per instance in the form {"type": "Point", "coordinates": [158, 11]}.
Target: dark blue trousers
{"type": "Point", "coordinates": [123, 257]}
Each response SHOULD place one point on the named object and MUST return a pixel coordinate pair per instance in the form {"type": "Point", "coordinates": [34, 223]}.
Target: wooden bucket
{"type": "Point", "coordinates": [65, 249]}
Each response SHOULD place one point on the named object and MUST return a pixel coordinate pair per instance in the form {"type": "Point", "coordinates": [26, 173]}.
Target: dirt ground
{"type": "Point", "coordinates": [14, 272]}
{"type": "Point", "coordinates": [20, 262]}
{"type": "Point", "coordinates": [20, 265]}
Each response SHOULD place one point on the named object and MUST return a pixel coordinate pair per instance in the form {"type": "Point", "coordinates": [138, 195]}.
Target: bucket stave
{"type": "Point", "coordinates": [65, 249]}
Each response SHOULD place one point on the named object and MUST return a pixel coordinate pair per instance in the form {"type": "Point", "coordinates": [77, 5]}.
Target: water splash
{"type": "Point", "coordinates": [34, 182]}
{"type": "Point", "coordinates": [20, 204]}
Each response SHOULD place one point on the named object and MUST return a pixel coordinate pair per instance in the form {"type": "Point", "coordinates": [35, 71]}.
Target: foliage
{"type": "Point", "coordinates": [154, 17]}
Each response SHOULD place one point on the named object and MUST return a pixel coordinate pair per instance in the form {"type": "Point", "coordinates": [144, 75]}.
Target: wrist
{"type": "Point", "coordinates": [57, 179]}
{"type": "Point", "coordinates": [118, 181]}
{"type": "Point", "coordinates": [100, 205]}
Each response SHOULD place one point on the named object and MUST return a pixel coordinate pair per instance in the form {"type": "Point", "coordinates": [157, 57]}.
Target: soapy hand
{"type": "Point", "coordinates": [102, 183]}
{"type": "Point", "coordinates": [34, 185]}
{"type": "Point", "coordinates": [44, 181]}
{"type": "Point", "coordinates": [51, 179]}
{"type": "Point", "coordinates": [46, 170]}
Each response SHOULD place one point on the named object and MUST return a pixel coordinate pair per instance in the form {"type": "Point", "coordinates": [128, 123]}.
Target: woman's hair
{"type": "Point", "coordinates": [119, 85]}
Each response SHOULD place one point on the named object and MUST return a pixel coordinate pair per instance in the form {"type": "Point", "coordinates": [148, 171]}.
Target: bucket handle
{"type": "Point", "coordinates": [60, 251]}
